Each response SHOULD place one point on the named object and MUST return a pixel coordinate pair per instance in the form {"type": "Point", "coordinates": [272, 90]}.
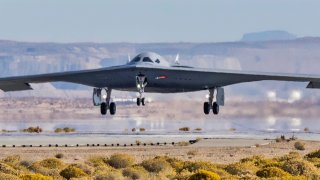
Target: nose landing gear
{"type": "Point", "coordinates": [141, 83]}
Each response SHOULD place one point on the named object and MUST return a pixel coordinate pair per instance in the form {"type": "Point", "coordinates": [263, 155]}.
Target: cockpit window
{"type": "Point", "coordinates": [147, 59]}
{"type": "Point", "coordinates": [136, 59]}
{"type": "Point", "coordinates": [157, 61]}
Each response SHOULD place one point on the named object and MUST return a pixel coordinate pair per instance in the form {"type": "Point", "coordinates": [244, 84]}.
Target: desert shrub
{"type": "Point", "coordinates": [183, 143]}
{"type": "Point", "coordinates": [272, 172]}
{"type": "Point", "coordinates": [4, 176]}
{"type": "Point", "coordinates": [306, 129]}
{"type": "Point", "coordinates": [261, 161]}
{"type": "Point", "coordinates": [290, 156]}
{"type": "Point", "coordinates": [198, 165]}
{"type": "Point", "coordinates": [184, 129]}
{"type": "Point", "coordinates": [113, 175]}
{"type": "Point", "coordinates": [299, 146]}
{"type": "Point", "coordinates": [68, 130]}
{"type": "Point", "coordinates": [142, 129]}
{"type": "Point", "coordinates": [183, 174]}
{"type": "Point", "coordinates": [121, 161]}
{"type": "Point", "coordinates": [58, 130]}
{"type": "Point", "coordinates": [242, 169]}
{"type": "Point", "coordinates": [4, 168]}
{"type": "Point", "coordinates": [135, 173]}
{"type": "Point", "coordinates": [33, 130]}
{"type": "Point", "coordinates": [12, 160]}
{"type": "Point", "coordinates": [26, 163]}
{"type": "Point", "coordinates": [96, 161]}
{"type": "Point", "coordinates": [85, 168]}
{"type": "Point", "coordinates": [203, 174]}
{"type": "Point", "coordinates": [35, 177]}
{"type": "Point", "coordinates": [59, 156]}
{"type": "Point", "coordinates": [156, 165]}
{"type": "Point", "coordinates": [314, 154]}
{"type": "Point", "coordinates": [300, 167]}
{"type": "Point", "coordinates": [192, 153]}
{"type": "Point", "coordinates": [48, 167]}
{"type": "Point", "coordinates": [52, 163]}
{"type": "Point", "coordinates": [198, 129]}
{"type": "Point", "coordinates": [72, 172]}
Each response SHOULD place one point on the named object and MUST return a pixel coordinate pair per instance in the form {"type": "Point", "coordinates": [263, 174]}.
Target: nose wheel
{"type": "Point", "coordinates": [141, 101]}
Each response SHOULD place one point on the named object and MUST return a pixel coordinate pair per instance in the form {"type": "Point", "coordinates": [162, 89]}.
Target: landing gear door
{"type": "Point", "coordinates": [220, 96]}
{"type": "Point", "coordinates": [96, 97]}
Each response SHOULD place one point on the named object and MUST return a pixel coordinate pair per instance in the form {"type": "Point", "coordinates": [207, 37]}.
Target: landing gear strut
{"type": "Point", "coordinates": [141, 82]}
{"type": "Point", "coordinates": [104, 105]}
{"type": "Point", "coordinates": [207, 106]}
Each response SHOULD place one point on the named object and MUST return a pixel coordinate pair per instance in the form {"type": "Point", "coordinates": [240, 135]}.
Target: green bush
{"type": "Point", "coordinates": [48, 167]}
{"type": "Point", "coordinates": [270, 172]}
{"type": "Point", "coordinates": [203, 174]}
{"type": "Point", "coordinates": [135, 173]}
{"type": "Point", "coordinates": [72, 172]}
{"type": "Point", "coordinates": [314, 154]}
{"type": "Point", "coordinates": [121, 161]}
{"type": "Point", "coordinates": [35, 177]}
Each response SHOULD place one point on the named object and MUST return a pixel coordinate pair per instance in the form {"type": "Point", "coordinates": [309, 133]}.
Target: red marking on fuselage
{"type": "Point", "coordinates": [161, 77]}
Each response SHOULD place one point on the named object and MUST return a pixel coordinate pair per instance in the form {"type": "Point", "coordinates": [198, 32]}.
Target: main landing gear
{"type": "Point", "coordinates": [104, 105]}
{"type": "Point", "coordinates": [207, 106]}
{"type": "Point", "coordinates": [141, 82]}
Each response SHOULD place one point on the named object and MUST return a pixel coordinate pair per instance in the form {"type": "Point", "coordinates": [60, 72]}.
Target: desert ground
{"type": "Point", "coordinates": [222, 151]}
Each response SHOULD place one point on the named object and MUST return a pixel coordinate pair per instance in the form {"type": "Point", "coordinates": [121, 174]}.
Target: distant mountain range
{"type": "Point", "coordinates": [268, 36]}
{"type": "Point", "coordinates": [301, 55]}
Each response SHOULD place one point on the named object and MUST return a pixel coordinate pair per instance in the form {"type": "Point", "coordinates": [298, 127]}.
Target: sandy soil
{"type": "Point", "coordinates": [207, 150]}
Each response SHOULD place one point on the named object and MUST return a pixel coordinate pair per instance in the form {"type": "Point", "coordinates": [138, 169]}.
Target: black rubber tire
{"type": "Point", "coordinates": [103, 108]}
{"type": "Point", "coordinates": [206, 108]}
{"type": "Point", "coordinates": [113, 108]}
{"type": "Point", "coordinates": [138, 101]}
{"type": "Point", "coordinates": [142, 102]}
{"type": "Point", "coordinates": [215, 108]}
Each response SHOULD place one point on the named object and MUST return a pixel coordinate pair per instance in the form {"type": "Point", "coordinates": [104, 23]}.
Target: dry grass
{"type": "Point", "coordinates": [123, 166]}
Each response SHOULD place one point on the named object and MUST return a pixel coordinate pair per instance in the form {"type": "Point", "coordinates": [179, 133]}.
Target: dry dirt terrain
{"type": "Point", "coordinates": [206, 150]}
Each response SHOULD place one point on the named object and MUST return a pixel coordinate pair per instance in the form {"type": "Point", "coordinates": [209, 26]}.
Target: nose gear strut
{"type": "Point", "coordinates": [141, 83]}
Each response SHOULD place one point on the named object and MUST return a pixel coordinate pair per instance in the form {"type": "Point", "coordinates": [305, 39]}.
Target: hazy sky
{"type": "Point", "coordinates": [153, 20]}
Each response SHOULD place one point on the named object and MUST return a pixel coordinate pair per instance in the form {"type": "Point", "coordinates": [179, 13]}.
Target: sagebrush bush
{"type": "Point", "coordinates": [4, 176]}
{"type": "Point", "coordinates": [242, 169]}
{"type": "Point", "coordinates": [121, 161]}
{"type": "Point", "coordinates": [156, 165]}
{"type": "Point", "coordinates": [300, 167]}
{"type": "Point", "coordinates": [12, 160]}
{"type": "Point", "coordinates": [135, 173]}
{"type": "Point", "coordinates": [112, 175]}
{"type": "Point", "coordinates": [59, 156]}
{"type": "Point", "coordinates": [34, 177]}
{"type": "Point", "coordinates": [270, 172]}
{"type": "Point", "coordinates": [203, 174]}
{"type": "Point", "coordinates": [299, 145]}
{"type": "Point", "coordinates": [4, 168]}
{"type": "Point", "coordinates": [72, 172]}
{"type": "Point", "coordinates": [48, 167]}
{"type": "Point", "coordinates": [314, 154]}
{"type": "Point", "coordinates": [97, 161]}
